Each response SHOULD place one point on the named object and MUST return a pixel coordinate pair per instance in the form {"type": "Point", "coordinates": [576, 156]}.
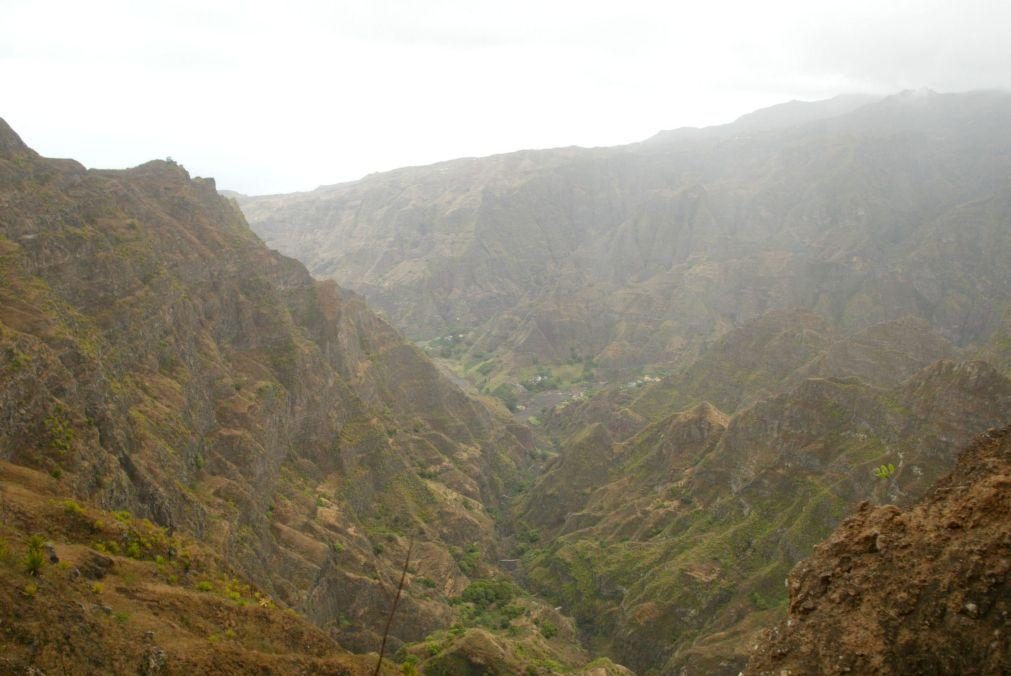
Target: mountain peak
{"type": "Point", "coordinates": [10, 142]}
{"type": "Point", "coordinates": [705, 411]}
{"type": "Point", "coordinates": [920, 93]}
{"type": "Point", "coordinates": [795, 112]}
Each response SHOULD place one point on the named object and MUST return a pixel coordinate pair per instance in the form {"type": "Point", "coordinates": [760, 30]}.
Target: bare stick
{"type": "Point", "coordinates": [393, 610]}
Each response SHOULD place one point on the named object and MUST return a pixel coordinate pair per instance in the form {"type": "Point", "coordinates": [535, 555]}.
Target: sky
{"type": "Point", "coordinates": [287, 95]}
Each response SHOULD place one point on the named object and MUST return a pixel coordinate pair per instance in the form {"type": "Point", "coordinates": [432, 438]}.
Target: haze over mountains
{"type": "Point", "coordinates": [726, 338]}
{"type": "Point", "coordinates": [861, 211]}
{"type": "Point", "coordinates": [805, 275]}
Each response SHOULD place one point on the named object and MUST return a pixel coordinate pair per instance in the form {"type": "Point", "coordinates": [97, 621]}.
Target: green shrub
{"type": "Point", "coordinates": [506, 395]}
{"type": "Point", "coordinates": [34, 558]}
{"type": "Point", "coordinates": [548, 630]}
{"type": "Point", "coordinates": [484, 593]}
{"type": "Point", "coordinates": [884, 471]}
{"type": "Point", "coordinates": [468, 558]}
{"type": "Point", "coordinates": [409, 666]}
{"type": "Point", "coordinates": [61, 433]}
{"type": "Point", "coordinates": [512, 611]}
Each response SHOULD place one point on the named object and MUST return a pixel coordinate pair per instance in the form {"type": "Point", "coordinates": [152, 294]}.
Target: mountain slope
{"type": "Point", "coordinates": [163, 604]}
{"type": "Point", "coordinates": [670, 547]}
{"type": "Point", "coordinates": [924, 590]}
{"type": "Point", "coordinates": [639, 254]}
{"type": "Point", "coordinates": [761, 357]}
{"type": "Point", "coordinates": [157, 361]}
{"type": "Point", "coordinates": [667, 535]}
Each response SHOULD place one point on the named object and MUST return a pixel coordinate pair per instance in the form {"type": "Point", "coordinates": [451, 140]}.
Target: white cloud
{"type": "Point", "coordinates": [270, 96]}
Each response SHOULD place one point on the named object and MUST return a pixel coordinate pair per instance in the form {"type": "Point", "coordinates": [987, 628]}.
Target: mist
{"type": "Point", "coordinates": [273, 98]}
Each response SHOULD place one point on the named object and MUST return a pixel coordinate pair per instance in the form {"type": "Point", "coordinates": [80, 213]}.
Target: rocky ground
{"type": "Point", "coordinates": [925, 590]}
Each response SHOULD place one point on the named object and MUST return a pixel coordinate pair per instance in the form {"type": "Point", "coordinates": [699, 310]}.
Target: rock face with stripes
{"type": "Point", "coordinates": [156, 359]}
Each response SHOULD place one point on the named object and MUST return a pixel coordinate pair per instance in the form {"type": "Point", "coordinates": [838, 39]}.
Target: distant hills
{"type": "Point", "coordinates": [860, 209]}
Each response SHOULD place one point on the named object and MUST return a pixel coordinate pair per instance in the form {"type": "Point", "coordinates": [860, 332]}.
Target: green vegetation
{"type": "Point", "coordinates": [34, 557]}
{"type": "Point", "coordinates": [484, 593]}
{"type": "Point", "coordinates": [467, 558]}
{"type": "Point", "coordinates": [884, 471]}
{"type": "Point", "coordinates": [507, 395]}
{"type": "Point", "coordinates": [17, 359]}
{"type": "Point", "coordinates": [489, 604]}
{"type": "Point", "coordinates": [60, 430]}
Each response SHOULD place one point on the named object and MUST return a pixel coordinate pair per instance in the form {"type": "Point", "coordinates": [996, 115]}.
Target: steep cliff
{"type": "Point", "coordinates": [156, 359]}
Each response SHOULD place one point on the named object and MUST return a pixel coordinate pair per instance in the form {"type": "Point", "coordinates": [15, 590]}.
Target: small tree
{"type": "Point", "coordinates": [34, 557]}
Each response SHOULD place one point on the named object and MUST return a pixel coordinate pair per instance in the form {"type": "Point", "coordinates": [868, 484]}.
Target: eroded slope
{"type": "Point", "coordinates": [157, 359]}
{"type": "Point", "coordinates": [922, 590]}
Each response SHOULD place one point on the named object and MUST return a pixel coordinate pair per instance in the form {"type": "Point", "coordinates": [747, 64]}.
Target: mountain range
{"type": "Point", "coordinates": [860, 209]}
{"type": "Point", "coordinates": [716, 346]}
{"type": "Point", "coordinates": [195, 422]}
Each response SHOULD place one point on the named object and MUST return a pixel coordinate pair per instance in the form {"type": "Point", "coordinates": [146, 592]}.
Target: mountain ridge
{"type": "Point", "coordinates": [165, 375]}
{"type": "Point", "coordinates": [637, 255]}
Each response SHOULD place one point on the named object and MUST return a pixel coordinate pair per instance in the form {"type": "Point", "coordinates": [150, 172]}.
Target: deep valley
{"type": "Point", "coordinates": [695, 405]}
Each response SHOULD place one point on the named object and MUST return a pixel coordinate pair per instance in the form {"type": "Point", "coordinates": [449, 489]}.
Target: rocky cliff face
{"type": "Point", "coordinates": [862, 212]}
{"type": "Point", "coordinates": [157, 359]}
{"type": "Point", "coordinates": [923, 590]}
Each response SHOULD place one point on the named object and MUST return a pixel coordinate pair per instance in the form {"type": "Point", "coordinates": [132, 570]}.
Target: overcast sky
{"type": "Point", "coordinates": [288, 94]}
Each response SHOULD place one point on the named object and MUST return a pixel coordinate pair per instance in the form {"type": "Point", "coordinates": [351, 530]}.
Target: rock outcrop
{"type": "Point", "coordinates": [924, 590]}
